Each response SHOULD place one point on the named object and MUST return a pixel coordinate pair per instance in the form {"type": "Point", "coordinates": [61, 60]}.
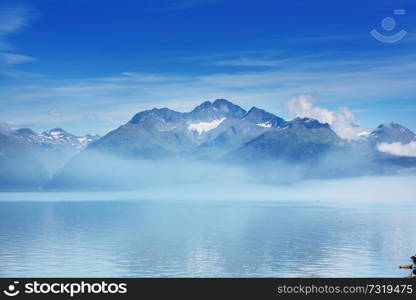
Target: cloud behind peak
{"type": "Point", "coordinates": [340, 121]}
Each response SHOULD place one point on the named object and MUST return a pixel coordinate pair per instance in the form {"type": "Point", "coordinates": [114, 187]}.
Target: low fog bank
{"type": "Point", "coordinates": [93, 170]}
{"type": "Point", "coordinates": [395, 189]}
{"type": "Point", "coordinates": [335, 177]}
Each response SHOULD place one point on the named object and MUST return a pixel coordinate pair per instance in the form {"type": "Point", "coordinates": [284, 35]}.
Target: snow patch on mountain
{"type": "Point", "coordinates": [205, 126]}
{"type": "Point", "coordinates": [266, 125]}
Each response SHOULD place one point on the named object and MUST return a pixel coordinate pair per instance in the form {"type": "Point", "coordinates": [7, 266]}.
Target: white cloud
{"type": "Point", "coordinates": [340, 121]}
{"type": "Point", "coordinates": [90, 117]}
{"type": "Point", "coordinates": [55, 113]}
{"type": "Point", "coordinates": [21, 74]}
{"type": "Point", "coordinates": [264, 59]}
{"type": "Point", "coordinates": [184, 4]}
{"type": "Point", "coordinates": [9, 59]}
{"type": "Point", "coordinates": [14, 15]}
{"type": "Point", "coordinates": [248, 62]}
{"type": "Point", "coordinates": [398, 148]}
{"type": "Point", "coordinates": [144, 77]}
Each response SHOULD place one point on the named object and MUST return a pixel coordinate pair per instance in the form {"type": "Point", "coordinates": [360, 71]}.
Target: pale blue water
{"type": "Point", "coordinates": [204, 239]}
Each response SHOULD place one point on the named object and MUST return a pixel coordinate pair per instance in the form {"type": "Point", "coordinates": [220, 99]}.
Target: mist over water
{"type": "Point", "coordinates": [97, 170]}
{"type": "Point", "coordinates": [372, 189]}
{"type": "Point", "coordinates": [109, 216]}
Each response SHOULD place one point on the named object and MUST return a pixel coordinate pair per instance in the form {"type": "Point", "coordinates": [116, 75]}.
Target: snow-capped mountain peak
{"type": "Point", "coordinates": [263, 118]}
{"type": "Point", "coordinates": [56, 138]}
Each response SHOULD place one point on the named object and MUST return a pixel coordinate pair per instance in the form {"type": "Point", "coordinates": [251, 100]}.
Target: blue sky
{"type": "Point", "coordinates": [90, 65]}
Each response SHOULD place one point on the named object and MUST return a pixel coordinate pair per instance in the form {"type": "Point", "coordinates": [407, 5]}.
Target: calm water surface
{"type": "Point", "coordinates": [203, 239]}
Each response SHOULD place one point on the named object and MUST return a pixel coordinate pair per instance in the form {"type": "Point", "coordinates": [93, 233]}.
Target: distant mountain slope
{"type": "Point", "coordinates": [229, 135]}
{"type": "Point", "coordinates": [298, 142]}
{"type": "Point", "coordinates": [19, 168]}
{"type": "Point", "coordinates": [391, 133]}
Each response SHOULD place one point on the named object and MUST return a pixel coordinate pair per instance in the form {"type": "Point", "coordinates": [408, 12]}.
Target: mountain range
{"type": "Point", "coordinates": [218, 132]}
{"type": "Point", "coordinates": [28, 159]}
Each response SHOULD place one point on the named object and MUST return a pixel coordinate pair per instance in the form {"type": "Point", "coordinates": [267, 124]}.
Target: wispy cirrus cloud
{"type": "Point", "coordinates": [142, 77]}
{"type": "Point", "coordinates": [91, 117]}
{"type": "Point", "coordinates": [55, 113]}
{"type": "Point", "coordinates": [20, 74]}
{"type": "Point", "coordinates": [14, 16]}
{"type": "Point", "coordinates": [263, 59]}
{"type": "Point", "coordinates": [248, 62]}
{"type": "Point", "coordinates": [10, 59]}
{"type": "Point", "coordinates": [116, 97]}
{"type": "Point", "coordinates": [184, 4]}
